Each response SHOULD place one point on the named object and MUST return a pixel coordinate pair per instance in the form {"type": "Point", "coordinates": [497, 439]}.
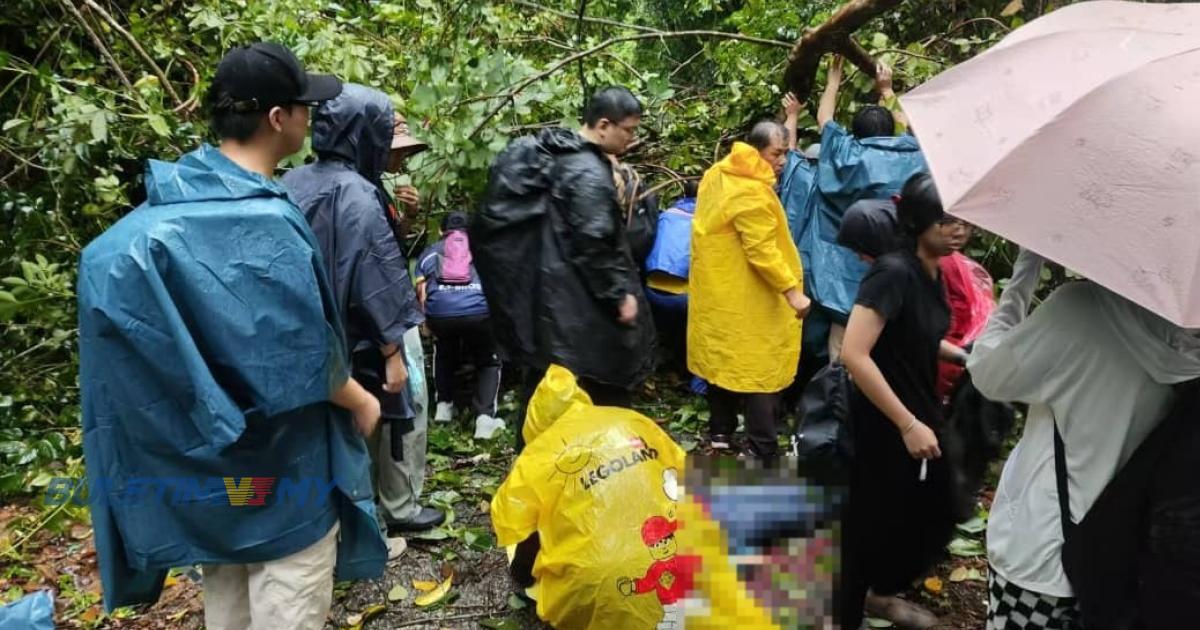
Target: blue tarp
{"type": "Point", "coordinates": [35, 611]}
{"type": "Point", "coordinates": [816, 196]}
{"type": "Point", "coordinates": [209, 346]}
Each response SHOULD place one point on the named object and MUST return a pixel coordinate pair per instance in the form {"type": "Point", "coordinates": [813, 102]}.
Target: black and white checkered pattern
{"type": "Point", "coordinates": [1011, 607]}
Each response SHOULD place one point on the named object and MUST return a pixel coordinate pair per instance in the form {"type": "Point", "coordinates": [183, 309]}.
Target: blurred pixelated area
{"type": "Point", "coordinates": [780, 531]}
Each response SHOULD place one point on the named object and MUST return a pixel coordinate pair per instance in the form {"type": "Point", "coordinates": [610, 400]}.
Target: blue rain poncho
{"type": "Point", "coordinates": [816, 196]}
{"type": "Point", "coordinates": [209, 347]}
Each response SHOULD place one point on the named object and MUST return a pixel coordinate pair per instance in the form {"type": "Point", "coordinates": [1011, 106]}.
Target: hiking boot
{"type": "Point", "coordinates": [425, 520]}
{"type": "Point", "coordinates": [444, 413]}
{"type": "Point", "coordinates": [486, 427]}
{"type": "Point", "coordinates": [905, 614]}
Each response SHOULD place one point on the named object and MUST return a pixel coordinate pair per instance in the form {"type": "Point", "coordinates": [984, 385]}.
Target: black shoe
{"type": "Point", "coordinates": [426, 519]}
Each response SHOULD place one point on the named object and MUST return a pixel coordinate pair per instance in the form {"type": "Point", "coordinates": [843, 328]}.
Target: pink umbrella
{"type": "Point", "coordinates": [1078, 136]}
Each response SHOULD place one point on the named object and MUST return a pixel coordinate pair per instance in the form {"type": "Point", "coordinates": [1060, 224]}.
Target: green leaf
{"type": "Point", "coordinates": [516, 602]}
{"type": "Point", "coordinates": [976, 525]}
{"type": "Point", "coordinates": [397, 594]}
{"type": "Point", "coordinates": [13, 123]}
{"type": "Point", "coordinates": [159, 125]}
{"type": "Point", "coordinates": [433, 535]}
{"type": "Point", "coordinates": [966, 547]}
{"type": "Point", "coordinates": [100, 126]}
{"type": "Point", "coordinates": [872, 622]}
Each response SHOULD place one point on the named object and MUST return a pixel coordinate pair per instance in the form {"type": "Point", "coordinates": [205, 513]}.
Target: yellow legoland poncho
{"type": "Point", "coordinates": [619, 549]}
{"type": "Point", "coordinates": [742, 335]}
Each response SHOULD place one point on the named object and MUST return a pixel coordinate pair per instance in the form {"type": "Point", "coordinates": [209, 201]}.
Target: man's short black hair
{"type": "Point", "coordinates": [613, 103]}
{"type": "Point", "coordinates": [231, 125]}
{"type": "Point", "coordinates": [873, 121]}
{"type": "Point", "coordinates": [690, 187]}
{"type": "Point", "coordinates": [765, 132]}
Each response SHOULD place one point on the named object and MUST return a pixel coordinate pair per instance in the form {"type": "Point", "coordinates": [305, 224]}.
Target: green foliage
{"type": "Point", "coordinates": [74, 138]}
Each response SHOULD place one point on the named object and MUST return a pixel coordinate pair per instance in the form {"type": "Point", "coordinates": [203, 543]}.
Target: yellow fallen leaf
{"type": "Point", "coordinates": [355, 621]}
{"type": "Point", "coordinates": [424, 585]}
{"type": "Point", "coordinates": [959, 575]}
{"type": "Point", "coordinates": [436, 595]}
{"type": "Point", "coordinates": [170, 581]}
{"type": "Point", "coordinates": [1013, 8]}
{"type": "Point", "coordinates": [933, 585]}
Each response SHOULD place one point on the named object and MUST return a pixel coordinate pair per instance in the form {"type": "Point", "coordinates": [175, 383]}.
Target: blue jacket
{"type": "Point", "coordinates": [449, 300]}
{"type": "Point", "coordinates": [209, 347]}
{"type": "Point", "coordinates": [672, 252]}
{"type": "Point", "coordinates": [816, 196]}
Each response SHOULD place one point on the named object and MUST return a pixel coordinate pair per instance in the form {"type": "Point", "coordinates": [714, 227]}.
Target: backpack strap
{"type": "Point", "coordinates": [1060, 474]}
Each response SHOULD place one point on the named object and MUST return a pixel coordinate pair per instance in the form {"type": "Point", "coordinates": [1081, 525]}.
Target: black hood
{"type": "Point", "coordinates": [869, 227]}
{"type": "Point", "coordinates": [356, 127]}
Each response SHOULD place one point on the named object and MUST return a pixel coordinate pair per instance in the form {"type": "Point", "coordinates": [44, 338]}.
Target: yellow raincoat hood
{"type": "Point", "coordinates": [742, 335]}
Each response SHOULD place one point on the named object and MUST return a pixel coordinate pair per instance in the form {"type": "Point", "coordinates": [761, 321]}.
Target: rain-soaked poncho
{"type": "Point", "coordinates": [342, 197]}
{"type": "Point", "coordinates": [620, 546]}
{"type": "Point", "coordinates": [742, 334]}
{"type": "Point", "coordinates": [816, 198]}
{"type": "Point", "coordinates": [209, 347]}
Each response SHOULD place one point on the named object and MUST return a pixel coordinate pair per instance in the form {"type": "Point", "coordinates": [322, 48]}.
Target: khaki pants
{"type": "Point", "coordinates": [292, 593]}
{"type": "Point", "coordinates": [398, 484]}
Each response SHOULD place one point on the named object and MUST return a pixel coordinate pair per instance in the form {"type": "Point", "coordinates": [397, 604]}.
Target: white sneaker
{"type": "Point", "coordinates": [445, 412]}
{"type": "Point", "coordinates": [396, 547]}
{"type": "Point", "coordinates": [486, 427]}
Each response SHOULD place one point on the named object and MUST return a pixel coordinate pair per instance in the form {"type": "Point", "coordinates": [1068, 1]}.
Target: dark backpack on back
{"type": "Point", "coordinates": [1134, 559]}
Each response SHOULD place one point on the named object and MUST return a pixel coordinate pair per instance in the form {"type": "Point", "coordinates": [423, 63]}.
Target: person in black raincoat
{"type": "Point", "coordinates": [342, 197]}
{"type": "Point", "coordinates": [580, 302]}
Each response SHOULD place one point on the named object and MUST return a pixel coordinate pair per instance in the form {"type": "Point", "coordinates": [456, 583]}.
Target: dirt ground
{"type": "Point", "coordinates": [462, 476]}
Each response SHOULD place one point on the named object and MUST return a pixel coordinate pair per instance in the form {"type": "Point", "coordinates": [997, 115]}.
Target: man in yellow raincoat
{"type": "Point", "coordinates": [746, 288]}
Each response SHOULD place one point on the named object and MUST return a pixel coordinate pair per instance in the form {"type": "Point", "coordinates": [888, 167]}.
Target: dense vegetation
{"type": "Point", "coordinates": [90, 89]}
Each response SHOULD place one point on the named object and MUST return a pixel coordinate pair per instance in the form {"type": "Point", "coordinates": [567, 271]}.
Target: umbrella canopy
{"type": "Point", "coordinates": [1078, 136]}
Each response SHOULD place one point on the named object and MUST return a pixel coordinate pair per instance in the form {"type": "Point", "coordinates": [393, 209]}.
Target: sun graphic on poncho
{"type": "Point", "coordinates": [573, 459]}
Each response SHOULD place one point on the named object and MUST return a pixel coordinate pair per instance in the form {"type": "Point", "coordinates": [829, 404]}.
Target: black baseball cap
{"type": "Point", "coordinates": [260, 76]}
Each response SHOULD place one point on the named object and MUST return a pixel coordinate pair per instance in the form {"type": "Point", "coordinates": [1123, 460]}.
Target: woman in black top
{"type": "Point", "coordinates": [899, 516]}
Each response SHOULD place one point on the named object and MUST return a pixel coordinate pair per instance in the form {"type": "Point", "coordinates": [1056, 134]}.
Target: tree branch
{"type": "Point", "coordinates": [138, 47]}
{"type": "Point", "coordinates": [832, 35]}
{"type": "Point", "coordinates": [566, 61]}
{"type": "Point", "coordinates": [98, 43]}
{"type": "Point", "coordinates": [545, 9]}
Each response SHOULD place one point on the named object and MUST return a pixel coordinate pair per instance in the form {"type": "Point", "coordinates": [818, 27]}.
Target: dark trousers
{"type": "Point", "coordinates": [471, 336]}
{"type": "Point", "coordinates": [761, 410]}
{"type": "Point", "coordinates": [602, 395]}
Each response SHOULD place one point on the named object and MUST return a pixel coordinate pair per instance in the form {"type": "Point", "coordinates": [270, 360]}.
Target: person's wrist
{"type": "Point", "coordinates": [912, 424]}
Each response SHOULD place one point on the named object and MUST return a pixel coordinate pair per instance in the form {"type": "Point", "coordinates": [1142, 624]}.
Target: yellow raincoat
{"type": "Point", "coordinates": [742, 335]}
{"type": "Point", "coordinates": [595, 483]}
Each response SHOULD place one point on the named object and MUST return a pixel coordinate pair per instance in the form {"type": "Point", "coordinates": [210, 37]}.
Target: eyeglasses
{"type": "Point", "coordinates": [948, 221]}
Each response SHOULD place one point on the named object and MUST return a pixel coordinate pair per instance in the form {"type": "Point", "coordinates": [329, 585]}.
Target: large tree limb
{"type": "Point", "coordinates": [833, 35]}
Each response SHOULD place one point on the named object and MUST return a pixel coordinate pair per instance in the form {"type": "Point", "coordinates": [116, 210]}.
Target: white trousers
{"type": "Point", "coordinates": [292, 593]}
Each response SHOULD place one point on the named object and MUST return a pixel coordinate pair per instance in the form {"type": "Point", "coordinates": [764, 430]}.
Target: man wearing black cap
{"type": "Point", "coordinates": [212, 360]}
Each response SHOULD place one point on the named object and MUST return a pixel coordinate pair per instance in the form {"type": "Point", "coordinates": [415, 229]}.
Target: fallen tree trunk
{"type": "Point", "coordinates": [833, 36]}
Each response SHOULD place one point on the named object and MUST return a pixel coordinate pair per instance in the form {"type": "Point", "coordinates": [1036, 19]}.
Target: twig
{"type": "Point", "coordinates": [545, 9]}
{"type": "Point", "coordinates": [12, 549]}
{"type": "Point", "coordinates": [512, 95]}
{"type": "Point", "coordinates": [138, 47]}
{"type": "Point", "coordinates": [670, 182]}
{"type": "Point", "coordinates": [912, 54]}
{"type": "Point", "coordinates": [993, 20]}
{"type": "Point", "coordinates": [98, 43]}
{"type": "Point", "coordinates": [189, 105]}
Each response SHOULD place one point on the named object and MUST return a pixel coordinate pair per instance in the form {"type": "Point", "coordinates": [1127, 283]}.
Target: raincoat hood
{"type": "Point", "coordinates": [744, 161]}
{"type": "Point", "coordinates": [356, 127]}
{"type": "Point", "coordinates": [869, 228]}
{"type": "Point", "coordinates": [205, 175]}
{"type": "Point", "coordinates": [558, 140]}
{"type": "Point", "coordinates": [1169, 354]}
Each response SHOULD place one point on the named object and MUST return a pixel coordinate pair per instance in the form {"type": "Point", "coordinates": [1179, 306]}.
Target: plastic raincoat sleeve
{"type": "Point", "coordinates": [380, 289]}
{"type": "Point", "coordinates": [1007, 362]}
{"type": "Point", "coordinates": [795, 189]}
{"type": "Point", "coordinates": [592, 243]}
{"type": "Point", "coordinates": [756, 225]}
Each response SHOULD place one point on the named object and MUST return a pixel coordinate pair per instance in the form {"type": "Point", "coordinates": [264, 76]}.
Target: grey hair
{"type": "Point", "coordinates": [764, 132]}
